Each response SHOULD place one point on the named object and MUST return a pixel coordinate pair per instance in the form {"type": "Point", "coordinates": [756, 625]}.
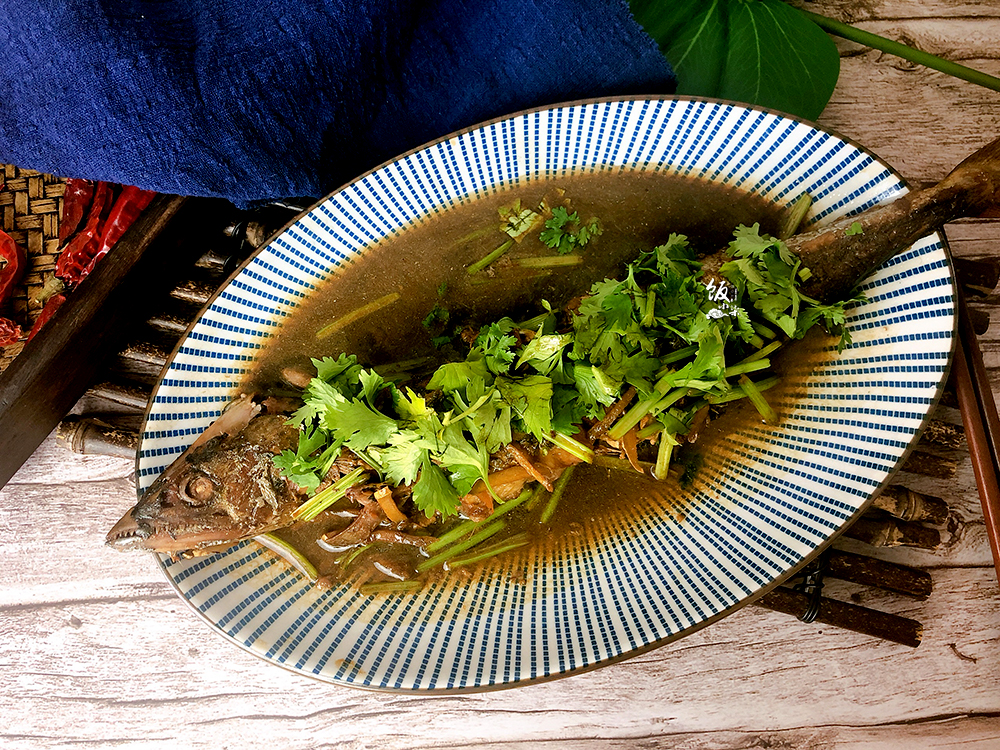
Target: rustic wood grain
{"type": "Point", "coordinates": [98, 652]}
{"type": "Point", "coordinates": [145, 663]}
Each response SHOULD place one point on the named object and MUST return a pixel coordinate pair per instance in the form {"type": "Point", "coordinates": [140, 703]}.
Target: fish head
{"type": "Point", "coordinates": [225, 490]}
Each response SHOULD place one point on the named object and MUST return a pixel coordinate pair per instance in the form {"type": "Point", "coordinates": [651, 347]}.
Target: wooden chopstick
{"type": "Point", "coordinates": [982, 424]}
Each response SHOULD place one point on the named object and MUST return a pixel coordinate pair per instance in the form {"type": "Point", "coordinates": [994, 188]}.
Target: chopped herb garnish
{"type": "Point", "coordinates": [437, 316]}
{"type": "Point", "coordinates": [681, 341]}
{"type": "Point", "coordinates": [564, 232]}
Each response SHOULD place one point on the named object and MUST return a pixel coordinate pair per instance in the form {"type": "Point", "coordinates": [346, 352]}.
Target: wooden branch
{"type": "Point", "coordinates": [870, 571]}
{"type": "Point", "coordinates": [890, 532]}
{"type": "Point", "coordinates": [907, 505]}
{"type": "Point", "coordinates": [839, 614]}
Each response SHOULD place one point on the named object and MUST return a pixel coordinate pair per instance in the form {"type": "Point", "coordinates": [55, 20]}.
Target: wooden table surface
{"type": "Point", "coordinates": [97, 651]}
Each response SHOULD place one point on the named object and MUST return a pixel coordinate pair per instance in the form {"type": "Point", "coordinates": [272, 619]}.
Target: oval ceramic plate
{"type": "Point", "coordinates": [767, 503]}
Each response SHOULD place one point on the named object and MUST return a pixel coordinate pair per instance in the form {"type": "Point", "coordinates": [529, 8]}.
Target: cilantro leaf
{"type": "Point", "coordinates": [530, 397]}
{"type": "Point", "coordinates": [437, 316]}
{"type": "Point", "coordinates": [403, 457]}
{"type": "Point", "coordinates": [433, 493]}
{"type": "Point", "coordinates": [564, 233]}
{"type": "Point", "coordinates": [356, 425]}
{"type": "Point", "coordinates": [454, 376]}
{"type": "Point", "coordinates": [340, 372]}
{"type": "Point", "coordinates": [543, 352]}
{"type": "Point", "coordinates": [371, 383]}
{"type": "Point", "coordinates": [497, 345]}
{"type": "Point", "coordinates": [470, 461]}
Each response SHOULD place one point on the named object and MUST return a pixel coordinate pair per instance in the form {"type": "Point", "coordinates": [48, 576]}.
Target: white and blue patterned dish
{"type": "Point", "coordinates": [774, 500]}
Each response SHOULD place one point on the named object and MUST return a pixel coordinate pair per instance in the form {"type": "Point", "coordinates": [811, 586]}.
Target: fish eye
{"type": "Point", "coordinates": [197, 490]}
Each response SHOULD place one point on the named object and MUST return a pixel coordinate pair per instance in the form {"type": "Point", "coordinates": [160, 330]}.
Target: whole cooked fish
{"type": "Point", "coordinates": [225, 487]}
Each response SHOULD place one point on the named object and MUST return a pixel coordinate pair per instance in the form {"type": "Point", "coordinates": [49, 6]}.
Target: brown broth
{"type": "Point", "coordinates": [637, 210]}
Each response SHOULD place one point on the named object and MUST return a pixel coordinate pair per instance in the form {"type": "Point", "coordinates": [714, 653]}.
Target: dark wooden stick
{"type": "Point", "coordinates": [930, 465]}
{"type": "Point", "coordinates": [133, 396]}
{"type": "Point", "coordinates": [96, 437]}
{"type": "Point", "coordinates": [56, 367]}
{"type": "Point", "coordinates": [870, 571]}
{"type": "Point", "coordinates": [891, 532]}
{"type": "Point", "coordinates": [982, 424]}
{"type": "Point", "coordinates": [839, 614]}
{"type": "Point", "coordinates": [944, 434]}
{"type": "Point", "coordinates": [197, 292]}
{"type": "Point", "coordinates": [908, 505]}
{"type": "Point", "coordinates": [981, 273]}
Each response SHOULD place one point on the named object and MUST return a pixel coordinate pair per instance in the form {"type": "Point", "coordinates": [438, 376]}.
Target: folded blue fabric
{"type": "Point", "coordinates": [259, 99]}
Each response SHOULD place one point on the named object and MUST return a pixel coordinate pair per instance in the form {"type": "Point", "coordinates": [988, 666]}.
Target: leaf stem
{"type": "Point", "coordinates": [796, 213]}
{"type": "Point", "coordinates": [573, 447]}
{"type": "Point", "coordinates": [557, 493]}
{"type": "Point", "coordinates": [480, 264]}
{"type": "Point", "coordinates": [289, 553]}
{"type": "Point", "coordinates": [485, 533]}
{"type": "Point", "coordinates": [468, 526]}
{"type": "Point", "coordinates": [550, 261]}
{"type": "Point", "coordinates": [906, 52]}
{"type": "Point", "coordinates": [328, 496]}
{"type": "Point", "coordinates": [664, 454]}
{"type": "Point", "coordinates": [356, 314]}
{"type": "Point", "coordinates": [507, 545]}
{"type": "Point", "coordinates": [390, 587]}
{"type": "Point", "coordinates": [754, 394]}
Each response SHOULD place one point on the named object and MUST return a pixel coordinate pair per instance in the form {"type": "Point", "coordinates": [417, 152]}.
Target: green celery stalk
{"type": "Point", "coordinates": [468, 526]}
{"type": "Point", "coordinates": [676, 356]}
{"type": "Point", "coordinates": [573, 447]}
{"type": "Point", "coordinates": [480, 264]}
{"type": "Point", "coordinates": [664, 454]}
{"type": "Point", "coordinates": [360, 312]}
{"type": "Point", "coordinates": [795, 216]}
{"type": "Point", "coordinates": [288, 553]}
{"type": "Point", "coordinates": [485, 533]}
{"type": "Point", "coordinates": [550, 261]}
{"type": "Point", "coordinates": [507, 545]}
{"type": "Point", "coordinates": [739, 392]}
{"type": "Point", "coordinates": [747, 365]}
{"type": "Point", "coordinates": [556, 496]}
{"type": "Point", "coordinates": [764, 351]}
{"type": "Point", "coordinates": [328, 496]}
{"type": "Point", "coordinates": [754, 394]}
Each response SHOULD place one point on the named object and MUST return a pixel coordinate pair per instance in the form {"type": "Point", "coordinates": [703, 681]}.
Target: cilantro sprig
{"type": "Point", "coordinates": [564, 232]}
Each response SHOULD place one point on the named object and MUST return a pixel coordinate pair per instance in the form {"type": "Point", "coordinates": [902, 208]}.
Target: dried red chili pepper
{"type": "Point", "coordinates": [12, 264]}
{"type": "Point", "coordinates": [77, 198]}
{"type": "Point", "coordinates": [106, 223]}
{"type": "Point", "coordinates": [54, 303]}
{"type": "Point", "coordinates": [10, 332]}
{"type": "Point", "coordinates": [125, 211]}
{"type": "Point", "coordinates": [76, 255]}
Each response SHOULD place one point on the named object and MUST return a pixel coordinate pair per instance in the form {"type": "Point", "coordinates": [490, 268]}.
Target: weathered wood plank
{"type": "Point", "coordinates": [154, 673]}
{"type": "Point", "coordinates": [902, 111]}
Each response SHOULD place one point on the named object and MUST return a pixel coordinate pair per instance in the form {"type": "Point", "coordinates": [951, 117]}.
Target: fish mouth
{"type": "Point", "coordinates": [130, 535]}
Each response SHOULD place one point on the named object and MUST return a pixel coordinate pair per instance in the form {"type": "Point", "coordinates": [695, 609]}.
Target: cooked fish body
{"type": "Point", "coordinates": [225, 488]}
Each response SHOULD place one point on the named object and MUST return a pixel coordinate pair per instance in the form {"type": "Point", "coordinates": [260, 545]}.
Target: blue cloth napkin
{"type": "Point", "coordinates": [261, 99]}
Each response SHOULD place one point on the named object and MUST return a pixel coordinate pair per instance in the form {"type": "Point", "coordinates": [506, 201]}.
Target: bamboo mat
{"type": "Point", "coordinates": [30, 207]}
